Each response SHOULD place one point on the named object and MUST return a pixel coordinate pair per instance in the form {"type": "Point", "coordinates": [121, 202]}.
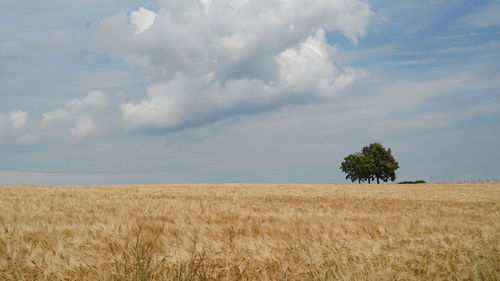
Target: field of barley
{"type": "Point", "coordinates": [251, 232]}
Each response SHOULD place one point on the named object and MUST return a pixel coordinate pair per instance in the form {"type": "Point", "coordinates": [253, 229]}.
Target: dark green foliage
{"type": "Point", "coordinates": [358, 167]}
{"type": "Point", "coordinates": [385, 165]}
{"type": "Point", "coordinates": [374, 162]}
{"type": "Point", "coordinates": [411, 182]}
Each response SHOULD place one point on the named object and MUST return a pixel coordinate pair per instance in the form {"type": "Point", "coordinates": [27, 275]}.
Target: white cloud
{"type": "Point", "coordinates": [94, 100]}
{"type": "Point", "coordinates": [184, 102]}
{"type": "Point", "coordinates": [75, 119]}
{"type": "Point", "coordinates": [18, 119]}
{"type": "Point", "coordinates": [143, 19]}
{"type": "Point", "coordinates": [83, 126]}
{"type": "Point", "coordinates": [211, 60]}
{"type": "Point", "coordinates": [13, 124]}
{"type": "Point", "coordinates": [54, 116]}
{"type": "Point", "coordinates": [206, 4]}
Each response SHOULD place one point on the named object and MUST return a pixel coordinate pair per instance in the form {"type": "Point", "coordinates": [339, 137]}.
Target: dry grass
{"type": "Point", "coordinates": [251, 232]}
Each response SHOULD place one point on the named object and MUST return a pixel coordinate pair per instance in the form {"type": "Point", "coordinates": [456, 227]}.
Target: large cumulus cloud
{"type": "Point", "coordinates": [214, 59]}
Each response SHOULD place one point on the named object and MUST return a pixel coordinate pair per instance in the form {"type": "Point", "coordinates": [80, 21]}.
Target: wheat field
{"type": "Point", "coordinates": [251, 232]}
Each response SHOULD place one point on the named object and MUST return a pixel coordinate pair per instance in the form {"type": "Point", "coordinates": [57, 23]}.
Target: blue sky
{"type": "Point", "coordinates": [170, 91]}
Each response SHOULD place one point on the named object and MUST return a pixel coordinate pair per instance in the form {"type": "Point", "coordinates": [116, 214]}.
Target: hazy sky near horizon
{"type": "Point", "coordinates": [188, 91]}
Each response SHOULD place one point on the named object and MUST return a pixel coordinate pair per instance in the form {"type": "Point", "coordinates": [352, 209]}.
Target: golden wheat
{"type": "Point", "coordinates": [251, 232]}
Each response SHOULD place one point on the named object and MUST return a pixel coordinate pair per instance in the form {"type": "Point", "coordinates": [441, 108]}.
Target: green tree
{"type": "Point", "coordinates": [384, 164]}
{"type": "Point", "coordinates": [358, 167]}
{"type": "Point", "coordinates": [373, 162]}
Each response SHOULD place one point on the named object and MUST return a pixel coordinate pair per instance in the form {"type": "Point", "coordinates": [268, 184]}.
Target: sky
{"type": "Point", "coordinates": [221, 91]}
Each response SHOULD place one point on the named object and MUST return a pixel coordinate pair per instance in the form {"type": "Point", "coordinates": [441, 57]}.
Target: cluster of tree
{"type": "Point", "coordinates": [374, 162]}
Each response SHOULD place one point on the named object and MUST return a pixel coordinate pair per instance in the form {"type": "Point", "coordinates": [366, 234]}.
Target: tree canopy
{"type": "Point", "coordinates": [374, 162]}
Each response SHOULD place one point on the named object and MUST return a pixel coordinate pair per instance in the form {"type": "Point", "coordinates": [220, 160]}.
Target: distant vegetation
{"type": "Point", "coordinates": [374, 162]}
{"type": "Point", "coordinates": [412, 182]}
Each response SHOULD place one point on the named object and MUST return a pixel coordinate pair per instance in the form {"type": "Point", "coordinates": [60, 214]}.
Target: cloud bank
{"type": "Point", "coordinates": [213, 60]}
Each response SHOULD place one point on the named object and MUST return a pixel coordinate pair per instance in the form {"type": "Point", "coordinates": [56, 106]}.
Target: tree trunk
{"type": "Point", "coordinates": [369, 181]}
{"type": "Point", "coordinates": [377, 181]}
{"type": "Point", "coordinates": [359, 181]}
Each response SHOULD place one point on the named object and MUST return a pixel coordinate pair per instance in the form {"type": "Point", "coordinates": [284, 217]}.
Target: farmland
{"type": "Point", "coordinates": [438, 231]}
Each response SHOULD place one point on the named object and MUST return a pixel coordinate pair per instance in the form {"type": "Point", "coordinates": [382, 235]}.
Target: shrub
{"type": "Point", "coordinates": [411, 182]}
